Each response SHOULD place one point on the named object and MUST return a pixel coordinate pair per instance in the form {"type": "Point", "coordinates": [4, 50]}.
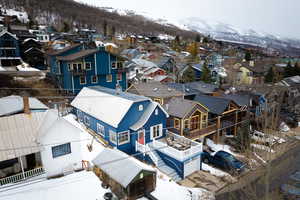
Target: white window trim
{"type": "Point", "coordinates": [80, 80]}
{"type": "Point", "coordinates": [86, 120]}
{"type": "Point", "coordinates": [99, 127]}
{"type": "Point", "coordinates": [113, 132]}
{"type": "Point", "coordinates": [115, 65]}
{"type": "Point", "coordinates": [124, 142]}
{"type": "Point", "coordinates": [160, 131]}
{"type": "Point", "coordinates": [96, 79]}
{"type": "Point", "coordinates": [90, 66]}
{"type": "Point", "coordinates": [141, 107]}
{"type": "Point", "coordinates": [111, 78]}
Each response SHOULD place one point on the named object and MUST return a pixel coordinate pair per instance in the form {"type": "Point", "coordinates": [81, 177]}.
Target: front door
{"type": "Point", "coordinates": [141, 137]}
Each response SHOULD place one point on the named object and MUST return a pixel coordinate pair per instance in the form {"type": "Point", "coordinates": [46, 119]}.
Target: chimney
{"type": "Point", "coordinates": [26, 104]}
{"type": "Point", "coordinates": [251, 63]}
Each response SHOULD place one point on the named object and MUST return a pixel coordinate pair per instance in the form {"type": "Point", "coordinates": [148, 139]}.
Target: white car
{"type": "Point", "coordinates": [267, 139]}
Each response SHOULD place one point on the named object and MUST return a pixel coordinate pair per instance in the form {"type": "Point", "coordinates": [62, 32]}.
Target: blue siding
{"type": "Point", "coordinates": [14, 43]}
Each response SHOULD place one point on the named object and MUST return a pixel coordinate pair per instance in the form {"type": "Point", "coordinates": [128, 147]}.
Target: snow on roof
{"type": "Point", "coordinates": [14, 104]}
{"type": "Point", "coordinates": [99, 43]}
{"type": "Point", "coordinates": [76, 186]}
{"type": "Point", "coordinates": [2, 69]}
{"type": "Point", "coordinates": [144, 63]}
{"type": "Point", "coordinates": [159, 78]}
{"type": "Point", "coordinates": [104, 104]}
{"type": "Point", "coordinates": [152, 70]}
{"type": "Point", "coordinates": [5, 31]}
{"type": "Point", "coordinates": [146, 115]}
{"type": "Point", "coordinates": [22, 16]}
{"type": "Point", "coordinates": [111, 44]}
{"type": "Point", "coordinates": [119, 166]}
{"type": "Point", "coordinates": [27, 39]}
{"type": "Point", "coordinates": [27, 69]}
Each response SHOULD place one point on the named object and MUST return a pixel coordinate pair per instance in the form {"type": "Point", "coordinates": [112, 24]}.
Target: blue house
{"type": "Point", "coordinates": [76, 67]}
{"type": "Point", "coordinates": [136, 125]}
{"type": "Point", "coordinates": [9, 51]}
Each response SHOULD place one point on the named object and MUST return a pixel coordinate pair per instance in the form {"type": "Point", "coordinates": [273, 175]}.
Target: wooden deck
{"type": "Point", "coordinates": [193, 135]}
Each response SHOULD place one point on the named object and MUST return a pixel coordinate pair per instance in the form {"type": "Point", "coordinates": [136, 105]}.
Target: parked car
{"type": "Point", "coordinates": [291, 190]}
{"type": "Point", "coordinates": [224, 160]}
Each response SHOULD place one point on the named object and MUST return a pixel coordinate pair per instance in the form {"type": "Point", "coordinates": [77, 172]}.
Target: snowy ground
{"type": "Point", "coordinates": [27, 69]}
{"type": "Point", "coordinates": [218, 147]}
{"type": "Point", "coordinates": [213, 170]}
{"type": "Point", "coordinates": [263, 147]}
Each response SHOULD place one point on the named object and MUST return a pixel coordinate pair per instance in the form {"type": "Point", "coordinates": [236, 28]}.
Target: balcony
{"type": "Point", "coordinates": [196, 134]}
{"type": "Point", "coordinates": [121, 70]}
{"type": "Point", "coordinates": [177, 147]}
{"type": "Point", "coordinates": [78, 72]}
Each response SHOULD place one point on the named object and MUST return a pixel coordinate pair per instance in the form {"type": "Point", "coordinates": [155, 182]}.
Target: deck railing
{"type": "Point", "coordinates": [22, 176]}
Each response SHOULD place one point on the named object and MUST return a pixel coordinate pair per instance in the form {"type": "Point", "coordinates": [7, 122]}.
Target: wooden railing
{"type": "Point", "coordinates": [202, 132]}
{"type": "Point", "coordinates": [22, 176]}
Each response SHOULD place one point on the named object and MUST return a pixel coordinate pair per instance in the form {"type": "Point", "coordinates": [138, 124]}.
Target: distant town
{"type": "Point", "coordinates": [89, 113]}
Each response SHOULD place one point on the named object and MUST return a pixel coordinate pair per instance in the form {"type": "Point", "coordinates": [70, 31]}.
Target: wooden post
{"type": "Point", "coordinates": [218, 129]}
{"type": "Point", "coordinates": [236, 121]}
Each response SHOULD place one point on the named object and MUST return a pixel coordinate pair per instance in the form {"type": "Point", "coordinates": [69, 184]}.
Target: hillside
{"type": "Point", "coordinates": [58, 12]}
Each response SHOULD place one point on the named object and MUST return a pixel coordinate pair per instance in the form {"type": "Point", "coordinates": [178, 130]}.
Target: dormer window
{"type": "Point", "coordinates": [141, 107]}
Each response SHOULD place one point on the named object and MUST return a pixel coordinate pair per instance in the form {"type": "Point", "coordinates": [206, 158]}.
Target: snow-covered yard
{"type": "Point", "coordinates": [218, 147]}
{"type": "Point", "coordinates": [213, 170]}
{"type": "Point", "coordinates": [262, 147]}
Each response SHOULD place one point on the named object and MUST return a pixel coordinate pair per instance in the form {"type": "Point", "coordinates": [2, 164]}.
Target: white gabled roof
{"type": "Point", "coordinates": [104, 104]}
{"type": "Point", "coordinates": [146, 115]}
{"type": "Point", "coordinates": [5, 31]}
{"type": "Point", "coordinates": [119, 166]}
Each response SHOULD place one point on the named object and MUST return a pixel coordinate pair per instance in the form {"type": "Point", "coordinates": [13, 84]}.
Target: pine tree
{"type": "Point", "coordinates": [206, 74]}
{"type": "Point", "coordinates": [198, 38]}
{"type": "Point", "coordinates": [289, 70]}
{"type": "Point", "coordinates": [105, 28]}
{"type": "Point", "coordinates": [248, 56]}
{"type": "Point", "coordinates": [243, 136]}
{"type": "Point", "coordinates": [269, 78]}
{"type": "Point", "coordinates": [188, 75]}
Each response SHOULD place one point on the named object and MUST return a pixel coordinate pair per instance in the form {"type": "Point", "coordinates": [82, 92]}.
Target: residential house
{"type": "Point", "coordinates": [167, 63]}
{"type": "Point", "coordinates": [223, 112]}
{"type": "Point", "coordinates": [41, 35]}
{"type": "Point", "coordinates": [189, 119]}
{"type": "Point", "coordinates": [158, 92]}
{"type": "Point", "coordinates": [21, 31]}
{"type": "Point", "coordinates": [127, 177]}
{"type": "Point", "coordinates": [10, 55]}
{"type": "Point", "coordinates": [203, 88]}
{"type": "Point", "coordinates": [130, 53]}
{"type": "Point", "coordinates": [189, 93]}
{"type": "Point", "coordinates": [76, 67]}
{"type": "Point", "coordinates": [253, 72]}
{"type": "Point", "coordinates": [132, 124]}
{"type": "Point", "coordinates": [32, 53]}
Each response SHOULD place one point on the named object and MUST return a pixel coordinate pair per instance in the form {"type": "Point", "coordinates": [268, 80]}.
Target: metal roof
{"type": "Point", "coordinates": [78, 55]}
{"type": "Point", "coordinates": [18, 134]}
{"type": "Point", "coordinates": [119, 166]}
{"type": "Point", "coordinates": [216, 105]}
{"type": "Point", "coordinates": [14, 104]}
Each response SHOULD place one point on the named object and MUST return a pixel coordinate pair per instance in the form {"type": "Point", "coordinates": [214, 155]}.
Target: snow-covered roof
{"type": "Point", "coordinates": [14, 104]}
{"type": "Point", "coordinates": [119, 166]}
{"type": "Point", "coordinates": [5, 31]}
{"type": "Point", "coordinates": [28, 39]}
{"type": "Point", "coordinates": [105, 104]}
{"type": "Point", "coordinates": [111, 44]}
{"type": "Point", "coordinates": [146, 115]}
{"type": "Point", "coordinates": [76, 186]}
{"type": "Point", "coordinates": [159, 78]}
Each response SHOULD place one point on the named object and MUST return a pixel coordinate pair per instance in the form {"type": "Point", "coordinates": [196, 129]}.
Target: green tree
{"type": "Point", "coordinates": [269, 78]}
{"type": "Point", "coordinates": [188, 75]}
{"type": "Point", "coordinates": [206, 74]}
{"type": "Point", "coordinates": [289, 70]}
{"type": "Point", "coordinates": [247, 56]}
{"type": "Point", "coordinates": [66, 27]}
{"type": "Point", "coordinates": [243, 136]}
{"type": "Point", "coordinates": [105, 25]}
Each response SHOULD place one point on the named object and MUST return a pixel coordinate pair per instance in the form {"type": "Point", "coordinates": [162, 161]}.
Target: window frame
{"type": "Point", "coordinates": [101, 129]}
{"type": "Point", "coordinates": [90, 64]}
{"type": "Point", "coordinates": [67, 149]}
{"type": "Point", "coordinates": [114, 65]}
{"type": "Point", "coordinates": [113, 138]}
{"type": "Point", "coordinates": [93, 80]}
{"type": "Point", "coordinates": [81, 83]}
{"type": "Point", "coordinates": [109, 75]}
{"type": "Point", "coordinates": [125, 141]}
{"type": "Point", "coordinates": [69, 67]}
{"type": "Point", "coordinates": [86, 120]}
{"type": "Point", "coordinates": [158, 129]}
{"type": "Point", "coordinates": [176, 120]}
{"type": "Point", "coordinates": [119, 65]}
{"type": "Point", "coordinates": [141, 107]}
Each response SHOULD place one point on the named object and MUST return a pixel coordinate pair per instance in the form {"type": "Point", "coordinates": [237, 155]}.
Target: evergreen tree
{"type": "Point", "coordinates": [206, 74]}
{"type": "Point", "coordinates": [66, 27]}
{"type": "Point", "coordinates": [289, 70]}
{"type": "Point", "coordinates": [243, 136]}
{"type": "Point", "coordinates": [269, 78]}
{"type": "Point", "coordinates": [105, 28]}
{"type": "Point", "coordinates": [248, 56]}
{"type": "Point", "coordinates": [113, 31]}
{"type": "Point", "coordinates": [297, 69]}
{"type": "Point", "coordinates": [188, 75]}
{"type": "Point", "coordinates": [198, 38]}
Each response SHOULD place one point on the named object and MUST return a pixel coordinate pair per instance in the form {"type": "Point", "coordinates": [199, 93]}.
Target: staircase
{"type": "Point", "coordinates": [162, 166]}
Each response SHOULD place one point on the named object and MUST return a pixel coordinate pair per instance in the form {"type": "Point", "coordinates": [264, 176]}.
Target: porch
{"type": "Point", "coordinates": [201, 133]}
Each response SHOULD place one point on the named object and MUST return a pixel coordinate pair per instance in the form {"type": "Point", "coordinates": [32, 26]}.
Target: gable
{"type": "Point", "coordinates": [194, 109]}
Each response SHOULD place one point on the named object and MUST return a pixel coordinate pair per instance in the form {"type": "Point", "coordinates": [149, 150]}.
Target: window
{"type": "Point", "coordinates": [113, 65]}
{"type": "Point", "coordinates": [109, 78]}
{"type": "Point", "coordinates": [141, 107]}
{"type": "Point", "coordinates": [88, 66]}
{"type": "Point", "coordinates": [124, 137]}
{"type": "Point", "coordinates": [119, 77]}
{"type": "Point", "coordinates": [158, 101]}
{"type": "Point", "coordinates": [195, 122]}
{"type": "Point", "coordinates": [87, 120]}
{"type": "Point", "coordinates": [79, 66]}
{"type": "Point", "coordinates": [100, 129]}
{"type": "Point", "coordinates": [79, 116]}
{"type": "Point", "coordinates": [61, 150]}
{"type": "Point", "coordinates": [204, 121]}
{"type": "Point", "coordinates": [176, 123]}
{"type": "Point", "coordinates": [75, 66]}
{"type": "Point", "coordinates": [156, 111]}
{"type": "Point", "coordinates": [156, 131]}
{"type": "Point", "coordinates": [82, 80]}
{"type": "Point", "coordinates": [119, 65]}
{"type": "Point", "coordinates": [94, 79]}
{"type": "Point", "coordinates": [113, 136]}
{"type": "Point", "coordinates": [186, 124]}
{"type": "Point", "coordinates": [69, 67]}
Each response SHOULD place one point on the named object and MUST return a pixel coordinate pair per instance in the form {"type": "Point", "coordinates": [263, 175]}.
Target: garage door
{"type": "Point", "coordinates": [191, 166]}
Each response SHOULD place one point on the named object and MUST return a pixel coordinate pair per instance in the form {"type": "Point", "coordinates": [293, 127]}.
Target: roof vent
{"type": "Point", "coordinates": [204, 86]}
{"type": "Point", "coordinates": [169, 89]}
{"type": "Point", "coordinates": [155, 89]}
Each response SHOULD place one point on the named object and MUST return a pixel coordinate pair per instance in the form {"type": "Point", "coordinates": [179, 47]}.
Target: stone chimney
{"type": "Point", "coordinates": [26, 104]}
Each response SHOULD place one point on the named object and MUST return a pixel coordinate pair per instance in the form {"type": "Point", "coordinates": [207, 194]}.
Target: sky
{"type": "Point", "coordinates": [277, 17]}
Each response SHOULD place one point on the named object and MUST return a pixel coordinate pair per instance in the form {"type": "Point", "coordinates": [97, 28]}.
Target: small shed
{"type": "Point", "coordinates": [126, 176]}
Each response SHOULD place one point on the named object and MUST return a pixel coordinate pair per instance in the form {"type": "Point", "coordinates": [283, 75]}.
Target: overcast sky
{"type": "Point", "coordinates": [279, 17]}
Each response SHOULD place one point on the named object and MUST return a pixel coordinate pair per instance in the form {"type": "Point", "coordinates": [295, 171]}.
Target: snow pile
{"type": "Point", "coordinates": [22, 16]}
{"type": "Point", "coordinates": [165, 37]}
{"type": "Point", "coordinates": [218, 147]}
{"type": "Point", "coordinates": [213, 170]}
{"type": "Point", "coordinates": [284, 127]}
{"type": "Point", "coordinates": [259, 158]}
{"type": "Point", "coordinates": [2, 69]}
{"type": "Point", "coordinates": [24, 67]}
